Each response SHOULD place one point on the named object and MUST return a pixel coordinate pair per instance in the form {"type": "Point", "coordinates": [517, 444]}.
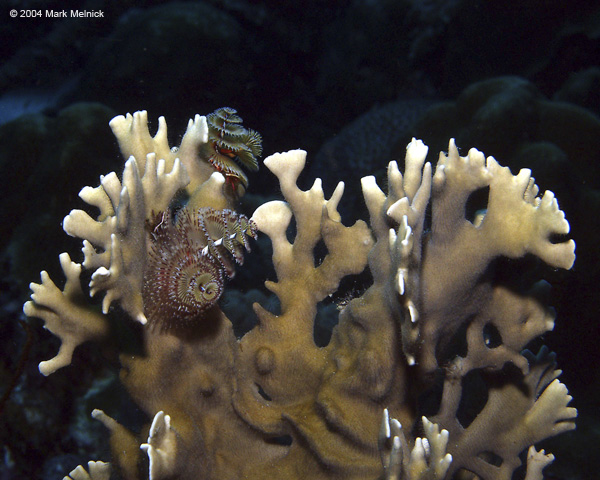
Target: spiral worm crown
{"type": "Point", "coordinates": [231, 146]}
{"type": "Point", "coordinates": [189, 258]}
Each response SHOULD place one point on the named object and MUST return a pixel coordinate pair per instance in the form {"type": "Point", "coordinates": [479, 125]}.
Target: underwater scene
{"type": "Point", "coordinates": [326, 240]}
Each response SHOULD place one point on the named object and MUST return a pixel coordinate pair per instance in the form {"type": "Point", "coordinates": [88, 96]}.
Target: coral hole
{"type": "Point", "coordinates": [262, 393]}
{"type": "Point", "coordinates": [285, 440]}
{"type": "Point", "coordinates": [491, 336]}
{"type": "Point", "coordinates": [476, 205]}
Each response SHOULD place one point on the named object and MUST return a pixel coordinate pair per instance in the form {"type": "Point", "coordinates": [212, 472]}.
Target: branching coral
{"type": "Point", "coordinates": [441, 330]}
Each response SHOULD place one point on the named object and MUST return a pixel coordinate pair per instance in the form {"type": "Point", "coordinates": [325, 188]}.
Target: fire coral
{"type": "Point", "coordinates": [444, 322]}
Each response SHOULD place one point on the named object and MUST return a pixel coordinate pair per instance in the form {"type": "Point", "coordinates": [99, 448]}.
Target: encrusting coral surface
{"type": "Point", "coordinates": [426, 374]}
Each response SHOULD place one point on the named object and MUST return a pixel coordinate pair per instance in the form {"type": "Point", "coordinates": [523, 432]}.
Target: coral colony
{"type": "Point", "coordinates": [426, 374]}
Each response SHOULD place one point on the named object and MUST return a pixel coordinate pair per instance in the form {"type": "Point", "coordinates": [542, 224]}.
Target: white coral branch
{"type": "Point", "coordinates": [135, 140]}
{"type": "Point", "coordinates": [390, 442]}
{"type": "Point", "coordinates": [115, 244]}
{"type": "Point", "coordinates": [159, 185]}
{"type": "Point", "coordinates": [517, 222]}
{"type": "Point", "coordinates": [316, 219]}
{"type": "Point", "coordinates": [427, 460]}
{"type": "Point", "coordinates": [65, 314]}
{"type": "Point", "coordinates": [536, 462]}
{"type": "Point", "coordinates": [161, 447]}
{"type": "Point", "coordinates": [404, 206]}
{"type": "Point", "coordinates": [550, 414]}
{"type": "Point", "coordinates": [97, 471]}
